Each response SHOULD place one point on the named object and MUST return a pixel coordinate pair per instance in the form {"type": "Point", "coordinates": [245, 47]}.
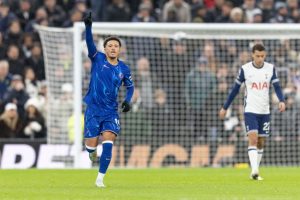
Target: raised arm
{"type": "Point", "coordinates": [92, 50]}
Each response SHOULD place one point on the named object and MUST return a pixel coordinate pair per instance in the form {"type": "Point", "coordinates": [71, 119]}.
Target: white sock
{"type": "Point", "coordinates": [100, 176]}
{"type": "Point", "coordinates": [259, 156]}
{"type": "Point", "coordinates": [252, 152]}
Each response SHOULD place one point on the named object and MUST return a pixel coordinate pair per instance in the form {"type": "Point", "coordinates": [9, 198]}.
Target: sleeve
{"type": "Point", "coordinates": [276, 85]}
{"type": "Point", "coordinates": [234, 91]}
{"type": "Point", "coordinates": [129, 94]}
{"type": "Point", "coordinates": [92, 50]}
{"type": "Point", "coordinates": [127, 80]}
{"type": "Point", "coordinates": [241, 77]}
{"type": "Point", "coordinates": [274, 78]}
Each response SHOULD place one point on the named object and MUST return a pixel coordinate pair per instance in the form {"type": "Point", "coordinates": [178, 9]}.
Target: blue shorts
{"type": "Point", "coordinates": [94, 124]}
{"type": "Point", "coordinates": [259, 123]}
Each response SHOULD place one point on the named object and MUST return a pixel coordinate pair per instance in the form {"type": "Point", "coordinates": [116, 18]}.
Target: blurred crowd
{"type": "Point", "coordinates": [189, 96]}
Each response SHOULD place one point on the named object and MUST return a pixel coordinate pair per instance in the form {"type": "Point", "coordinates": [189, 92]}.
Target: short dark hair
{"type": "Point", "coordinates": [258, 47]}
{"type": "Point", "coordinates": [111, 38]}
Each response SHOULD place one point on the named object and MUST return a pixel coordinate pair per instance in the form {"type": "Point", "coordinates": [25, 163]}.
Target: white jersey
{"type": "Point", "coordinates": [257, 83]}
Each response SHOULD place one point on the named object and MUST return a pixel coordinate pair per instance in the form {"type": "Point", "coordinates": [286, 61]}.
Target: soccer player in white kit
{"type": "Point", "coordinates": [257, 75]}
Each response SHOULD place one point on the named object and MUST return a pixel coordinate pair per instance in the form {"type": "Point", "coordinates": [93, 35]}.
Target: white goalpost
{"type": "Point", "coordinates": [182, 74]}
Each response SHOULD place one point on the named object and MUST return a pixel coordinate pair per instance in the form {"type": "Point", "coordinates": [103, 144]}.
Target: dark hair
{"type": "Point", "coordinates": [258, 47]}
{"type": "Point", "coordinates": [111, 38]}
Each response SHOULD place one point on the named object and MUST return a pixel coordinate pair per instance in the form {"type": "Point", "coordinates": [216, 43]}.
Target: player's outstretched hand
{"type": "Point", "coordinates": [222, 113]}
{"type": "Point", "coordinates": [126, 106]}
{"type": "Point", "coordinates": [88, 19]}
{"type": "Point", "coordinates": [281, 106]}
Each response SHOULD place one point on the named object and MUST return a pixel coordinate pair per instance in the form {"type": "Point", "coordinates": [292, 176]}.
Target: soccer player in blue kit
{"type": "Point", "coordinates": [258, 76]}
{"type": "Point", "coordinates": [101, 116]}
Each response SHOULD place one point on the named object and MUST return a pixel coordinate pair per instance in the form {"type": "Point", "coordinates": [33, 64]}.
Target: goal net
{"type": "Point", "coordinates": [183, 74]}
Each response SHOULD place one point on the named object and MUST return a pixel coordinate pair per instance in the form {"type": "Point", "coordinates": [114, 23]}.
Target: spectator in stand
{"type": "Point", "coordinates": [200, 15]}
{"type": "Point", "coordinates": [293, 10]}
{"type": "Point", "coordinates": [10, 123]}
{"type": "Point", "coordinates": [144, 14]}
{"type": "Point", "coordinates": [27, 44]}
{"type": "Point", "coordinates": [226, 49]}
{"type": "Point", "coordinates": [210, 4]}
{"type": "Point", "coordinates": [98, 9]}
{"type": "Point", "coordinates": [80, 5]}
{"type": "Point", "coordinates": [267, 10]}
{"type": "Point", "coordinates": [36, 61]}
{"type": "Point", "coordinates": [2, 47]}
{"type": "Point", "coordinates": [64, 107]}
{"type": "Point", "coordinates": [179, 8]}
{"type": "Point", "coordinates": [199, 83]}
{"type": "Point", "coordinates": [42, 98]}
{"type": "Point", "coordinates": [56, 15]}
{"type": "Point", "coordinates": [13, 34]}
{"type": "Point", "coordinates": [195, 4]}
{"type": "Point", "coordinates": [286, 125]}
{"type": "Point", "coordinates": [237, 15]}
{"type": "Point", "coordinates": [16, 63]}
{"type": "Point", "coordinates": [34, 123]}
{"type": "Point", "coordinates": [248, 7]}
{"type": "Point", "coordinates": [225, 16]}
{"type": "Point", "coordinates": [292, 5]}
{"type": "Point", "coordinates": [31, 84]}
{"type": "Point", "coordinates": [281, 15]}
{"type": "Point", "coordinates": [5, 79]}
{"type": "Point", "coordinates": [257, 16]}
{"type": "Point", "coordinates": [17, 94]}
{"type": "Point", "coordinates": [24, 13]}
{"type": "Point", "coordinates": [117, 11]}
{"type": "Point", "coordinates": [216, 127]}
{"type": "Point", "coordinates": [75, 16]}
{"type": "Point", "coordinates": [243, 57]}
{"type": "Point", "coordinates": [6, 16]}
{"type": "Point", "coordinates": [216, 11]}
{"type": "Point", "coordinates": [146, 82]}
{"type": "Point", "coordinates": [41, 17]}
{"type": "Point", "coordinates": [162, 117]}
{"type": "Point", "coordinates": [67, 5]}
{"type": "Point", "coordinates": [210, 54]}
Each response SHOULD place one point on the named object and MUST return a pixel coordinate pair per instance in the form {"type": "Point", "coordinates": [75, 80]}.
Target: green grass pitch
{"type": "Point", "coordinates": [157, 184]}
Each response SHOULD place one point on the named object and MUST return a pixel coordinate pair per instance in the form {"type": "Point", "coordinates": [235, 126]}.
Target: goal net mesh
{"type": "Point", "coordinates": [182, 77]}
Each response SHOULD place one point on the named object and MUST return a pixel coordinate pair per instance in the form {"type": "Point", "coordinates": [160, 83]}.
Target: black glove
{"type": "Point", "coordinates": [88, 19]}
{"type": "Point", "coordinates": [126, 106]}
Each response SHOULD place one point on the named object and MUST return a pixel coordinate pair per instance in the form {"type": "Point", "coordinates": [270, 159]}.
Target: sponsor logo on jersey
{"type": "Point", "coordinates": [259, 85]}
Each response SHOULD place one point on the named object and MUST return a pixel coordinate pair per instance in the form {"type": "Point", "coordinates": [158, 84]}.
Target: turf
{"type": "Point", "coordinates": [165, 184]}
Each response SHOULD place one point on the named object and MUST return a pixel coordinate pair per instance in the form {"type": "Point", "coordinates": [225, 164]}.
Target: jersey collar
{"type": "Point", "coordinates": [256, 66]}
{"type": "Point", "coordinates": [112, 64]}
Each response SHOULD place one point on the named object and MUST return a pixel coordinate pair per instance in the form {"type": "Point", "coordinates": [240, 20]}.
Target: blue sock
{"type": "Point", "coordinates": [90, 149]}
{"type": "Point", "coordinates": [105, 156]}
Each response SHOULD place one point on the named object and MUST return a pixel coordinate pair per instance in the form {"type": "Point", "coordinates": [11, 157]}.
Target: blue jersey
{"type": "Point", "coordinates": [105, 82]}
